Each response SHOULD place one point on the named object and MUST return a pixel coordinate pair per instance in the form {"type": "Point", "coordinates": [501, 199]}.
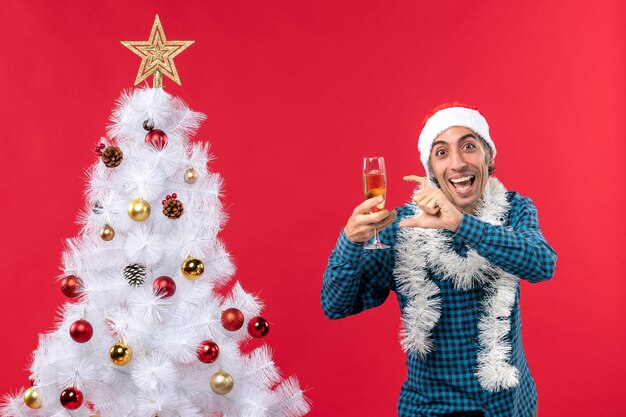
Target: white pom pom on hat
{"type": "Point", "coordinates": [450, 115]}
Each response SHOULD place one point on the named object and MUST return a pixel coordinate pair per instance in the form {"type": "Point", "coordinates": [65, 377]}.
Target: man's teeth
{"type": "Point", "coordinates": [463, 184]}
{"type": "Point", "coordinates": [457, 180]}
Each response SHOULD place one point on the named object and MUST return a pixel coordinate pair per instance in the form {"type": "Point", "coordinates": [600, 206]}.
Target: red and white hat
{"type": "Point", "coordinates": [449, 115]}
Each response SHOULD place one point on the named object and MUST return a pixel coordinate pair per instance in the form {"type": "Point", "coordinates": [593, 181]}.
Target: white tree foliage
{"type": "Point", "coordinates": [165, 377]}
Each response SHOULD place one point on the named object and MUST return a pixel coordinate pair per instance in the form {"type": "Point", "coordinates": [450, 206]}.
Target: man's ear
{"type": "Point", "coordinates": [491, 167]}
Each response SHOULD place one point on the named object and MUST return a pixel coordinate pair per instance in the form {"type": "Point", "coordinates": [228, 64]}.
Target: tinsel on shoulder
{"type": "Point", "coordinates": [145, 331]}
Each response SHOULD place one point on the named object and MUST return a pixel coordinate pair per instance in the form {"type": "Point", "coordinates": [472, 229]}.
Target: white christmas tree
{"type": "Point", "coordinates": [147, 333]}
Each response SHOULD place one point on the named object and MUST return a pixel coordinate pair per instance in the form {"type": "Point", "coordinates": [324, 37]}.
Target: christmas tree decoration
{"type": "Point", "coordinates": [222, 382]}
{"type": "Point", "coordinates": [208, 351]}
{"type": "Point", "coordinates": [258, 327]}
{"type": "Point", "coordinates": [192, 268]}
{"type": "Point", "coordinates": [71, 398]}
{"type": "Point", "coordinates": [112, 156]}
{"type": "Point", "coordinates": [191, 175]}
{"type": "Point", "coordinates": [135, 274]}
{"type": "Point", "coordinates": [107, 233]}
{"type": "Point", "coordinates": [172, 207]}
{"type": "Point", "coordinates": [164, 287]}
{"type": "Point", "coordinates": [157, 55]}
{"type": "Point", "coordinates": [148, 124]}
{"type": "Point", "coordinates": [120, 354]}
{"type": "Point", "coordinates": [70, 286]}
{"type": "Point", "coordinates": [32, 398]}
{"type": "Point", "coordinates": [97, 208]}
{"type": "Point", "coordinates": [139, 210]}
{"type": "Point", "coordinates": [157, 138]}
{"type": "Point", "coordinates": [165, 341]}
{"type": "Point", "coordinates": [81, 331]}
{"type": "Point", "coordinates": [232, 319]}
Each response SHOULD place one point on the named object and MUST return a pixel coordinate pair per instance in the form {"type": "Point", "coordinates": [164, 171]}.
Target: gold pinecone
{"type": "Point", "coordinates": [112, 156]}
{"type": "Point", "coordinates": [173, 208]}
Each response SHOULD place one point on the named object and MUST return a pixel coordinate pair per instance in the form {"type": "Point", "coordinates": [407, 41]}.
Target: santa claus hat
{"type": "Point", "coordinates": [449, 115]}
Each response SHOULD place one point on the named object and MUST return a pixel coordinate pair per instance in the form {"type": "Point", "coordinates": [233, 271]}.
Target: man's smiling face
{"type": "Point", "coordinates": [460, 163]}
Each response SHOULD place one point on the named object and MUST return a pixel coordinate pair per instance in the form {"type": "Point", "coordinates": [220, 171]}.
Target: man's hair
{"type": "Point", "coordinates": [488, 160]}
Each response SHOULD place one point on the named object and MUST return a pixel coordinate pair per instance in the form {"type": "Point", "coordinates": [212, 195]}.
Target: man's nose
{"type": "Point", "coordinates": [458, 162]}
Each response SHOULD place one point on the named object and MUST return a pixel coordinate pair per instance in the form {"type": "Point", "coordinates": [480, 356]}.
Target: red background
{"type": "Point", "coordinates": [296, 93]}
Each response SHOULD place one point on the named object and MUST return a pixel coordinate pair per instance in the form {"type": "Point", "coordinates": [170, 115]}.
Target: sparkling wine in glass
{"type": "Point", "coordinates": [374, 185]}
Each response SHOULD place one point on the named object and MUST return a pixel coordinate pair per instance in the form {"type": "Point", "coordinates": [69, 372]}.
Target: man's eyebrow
{"type": "Point", "coordinates": [443, 142]}
{"type": "Point", "coordinates": [469, 135]}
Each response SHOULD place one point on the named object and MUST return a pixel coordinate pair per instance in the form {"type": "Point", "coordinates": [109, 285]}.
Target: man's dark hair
{"type": "Point", "coordinates": [488, 160]}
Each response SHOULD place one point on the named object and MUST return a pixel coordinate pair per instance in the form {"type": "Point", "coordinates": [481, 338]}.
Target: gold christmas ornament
{"type": "Point", "coordinates": [120, 354]}
{"type": "Point", "coordinates": [139, 210]}
{"type": "Point", "coordinates": [107, 233]}
{"type": "Point", "coordinates": [157, 55]}
{"type": "Point", "coordinates": [32, 398]}
{"type": "Point", "coordinates": [191, 175]}
{"type": "Point", "coordinates": [192, 268]}
{"type": "Point", "coordinates": [222, 383]}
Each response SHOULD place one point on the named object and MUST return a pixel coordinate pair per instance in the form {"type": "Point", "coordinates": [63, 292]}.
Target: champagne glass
{"type": "Point", "coordinates": [374, 185]}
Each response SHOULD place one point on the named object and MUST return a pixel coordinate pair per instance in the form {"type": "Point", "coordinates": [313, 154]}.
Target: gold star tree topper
{"type": "Point", "coordinates": [157, 55]}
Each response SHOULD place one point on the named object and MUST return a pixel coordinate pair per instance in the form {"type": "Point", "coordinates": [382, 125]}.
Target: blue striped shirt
{"type": "Point", "coordinates": [445, 381]}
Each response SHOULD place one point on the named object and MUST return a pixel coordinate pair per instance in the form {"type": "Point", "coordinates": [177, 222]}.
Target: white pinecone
{"type": "Point", "coordinates": [135, 274]}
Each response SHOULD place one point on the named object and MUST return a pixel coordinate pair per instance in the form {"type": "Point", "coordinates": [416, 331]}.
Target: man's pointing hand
{"type": "Point", "coordinates": [437, 211]}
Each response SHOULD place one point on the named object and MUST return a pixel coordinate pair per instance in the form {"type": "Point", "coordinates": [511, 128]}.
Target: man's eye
{"type": "Point", "coordinates": [440, 152]}
{"type": "Point", "coordinates": [469, 146]}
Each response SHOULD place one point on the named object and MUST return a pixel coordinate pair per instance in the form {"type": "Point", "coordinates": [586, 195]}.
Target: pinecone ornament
{"type": "Point", "coordinates": [112, 156]}
{"type": "Point", "coordinates": [172, 207]}
{"type": "Point", "coordinates": [135, 274]}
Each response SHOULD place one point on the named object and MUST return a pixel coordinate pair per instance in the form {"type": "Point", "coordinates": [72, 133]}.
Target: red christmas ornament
{"type": "Point", "coordinates": [81, 331]}
{"type": "Point", "coordinates": [70, 286]}
{"type": "Point", "coordinates": [71, 398]}
{"type": "Point", "coordinates": [207, 351]}
{"type": "Point", "coordinates": [164, 287]}
{"type": "Point", "coordinates": [156, 138]}
{"type": "Point", "coordinates": [232, 319]}
{"type": "Point", "coordinates": [258, 327]}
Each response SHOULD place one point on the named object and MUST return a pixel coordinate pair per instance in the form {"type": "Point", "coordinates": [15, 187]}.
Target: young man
{"type": "Point", "coordinates": [457, 254]}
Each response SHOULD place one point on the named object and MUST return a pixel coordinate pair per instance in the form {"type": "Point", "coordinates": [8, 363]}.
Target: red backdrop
{"type": "Point", "coordinates": [296, 93]}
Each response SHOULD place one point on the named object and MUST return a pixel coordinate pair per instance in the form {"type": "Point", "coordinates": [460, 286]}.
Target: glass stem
{"type": "Point", "coordinates": [376, 241]}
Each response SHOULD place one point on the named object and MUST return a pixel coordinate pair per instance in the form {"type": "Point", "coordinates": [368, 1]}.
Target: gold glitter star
{"type": "Point", "coordinates": [157, 55]}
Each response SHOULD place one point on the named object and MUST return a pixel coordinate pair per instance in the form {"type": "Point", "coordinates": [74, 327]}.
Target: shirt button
{"type": "Point", "coordinates": [485, 407]}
